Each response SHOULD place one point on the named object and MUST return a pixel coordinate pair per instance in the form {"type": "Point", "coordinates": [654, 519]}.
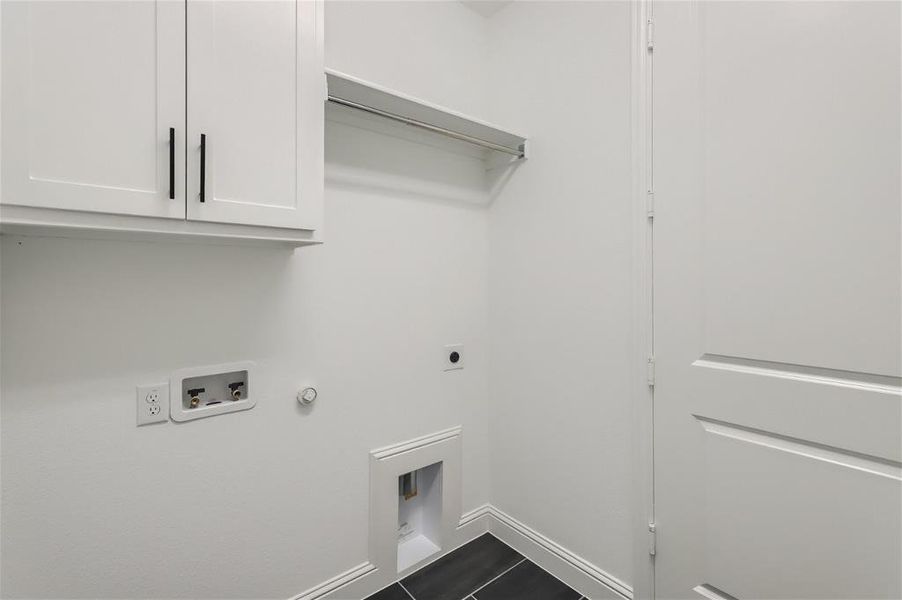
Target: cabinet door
{"type": "Point", "coordinates": [255, 94]}
{"type": "Point", "coordinates": [90, 90]}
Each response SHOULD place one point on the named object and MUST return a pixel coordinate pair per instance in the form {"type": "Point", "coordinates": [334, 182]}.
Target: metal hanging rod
{"type": "Point", "coordinates": [518, 152]}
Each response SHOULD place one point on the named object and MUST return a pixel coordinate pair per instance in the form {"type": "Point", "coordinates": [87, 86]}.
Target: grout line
{"type": "Point", "coordinates": [438, 555]}
{"type": "Point", "coordinates": [583, 597]}
{"type": "Point", "coordinates": [500, 575]}
{"type": "Point", "coordinates": [561, 581]}
{"type": "Point", "coordinates": [406, 590]}
{"type": "Point", "coordinates": [472, 595]}
{"type": "Point", "coordinates": [536, 564]}
{"type": "Point", "coordinates": [438, 558]}
{"type": "Point", "coordinates": [505, 543]}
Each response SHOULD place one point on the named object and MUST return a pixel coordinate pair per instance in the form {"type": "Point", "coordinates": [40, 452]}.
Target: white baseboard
{"type": "Point", "coordinates": [338, 582]}
{"type": "Point", "coordinates": [570, 568]}
{"type": "Point", "coordinates": [363, 581]}
{"type": "Point", "coordinates": [567, 566]}
{"type": "Point", "coordinates": [470, 516]}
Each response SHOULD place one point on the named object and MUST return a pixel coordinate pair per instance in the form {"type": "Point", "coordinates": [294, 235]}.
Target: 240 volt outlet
{"type": "Point", "coordinates": [453, 357]}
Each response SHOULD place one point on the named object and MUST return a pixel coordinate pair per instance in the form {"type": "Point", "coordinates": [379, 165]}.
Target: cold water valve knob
{"type": "Point", "coordinates": [233, 388]}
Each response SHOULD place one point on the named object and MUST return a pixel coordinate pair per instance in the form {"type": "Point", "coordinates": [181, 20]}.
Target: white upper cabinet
{"type": "Point", "coordinates": [90, 91]}
{"type": "Point", "coordinates": [105, 103]}
{"type": "Point", "coordinates": [255, 96]}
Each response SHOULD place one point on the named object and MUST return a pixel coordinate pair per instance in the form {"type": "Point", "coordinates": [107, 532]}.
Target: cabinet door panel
{"type": "Point", "coordinates": [90, 91]}
{"type": "Point", "coordinates": [255, 91]}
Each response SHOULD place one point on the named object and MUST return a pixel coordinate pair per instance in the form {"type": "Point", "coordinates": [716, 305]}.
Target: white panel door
{"type": "Point", "coordinates": [255, 98]}
{"type": "Point", "coordinates": [90, 91]}
{"type": "Point", "coordinates": [777, 300]}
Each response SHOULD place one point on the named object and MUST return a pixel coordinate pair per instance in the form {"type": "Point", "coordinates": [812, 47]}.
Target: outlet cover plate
{"type": "Point", "coordinates": [152, 403]}
{"type": "Point", "coordinates": [447, 352]}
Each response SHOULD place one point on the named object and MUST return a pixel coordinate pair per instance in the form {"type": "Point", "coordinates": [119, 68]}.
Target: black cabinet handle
{"type": "Point", "coordinates": [203, 165]}
{"type": "Point", "coordinates": [172, 163]}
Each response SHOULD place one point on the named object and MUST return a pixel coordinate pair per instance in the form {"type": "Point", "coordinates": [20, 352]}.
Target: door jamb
{"type": "Point", "coordinates": [642, 298]}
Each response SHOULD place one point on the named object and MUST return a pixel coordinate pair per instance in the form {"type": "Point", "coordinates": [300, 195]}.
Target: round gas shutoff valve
{"type": "Point", "coordinates": [454, 357]}
{"type": "Point", "coordinates": [307, 395]}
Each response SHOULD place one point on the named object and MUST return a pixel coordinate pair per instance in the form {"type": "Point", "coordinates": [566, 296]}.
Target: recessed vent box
{"type": "Point", "coordinates": [415, 503]}
{"type": "Point", "coordinates": [419, 515]}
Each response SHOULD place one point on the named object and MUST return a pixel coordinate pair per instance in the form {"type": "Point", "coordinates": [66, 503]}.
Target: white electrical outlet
{"type": "Point", "coordinates": [453, 357]}
{"type": "Point", "coordinates": [152, 403]}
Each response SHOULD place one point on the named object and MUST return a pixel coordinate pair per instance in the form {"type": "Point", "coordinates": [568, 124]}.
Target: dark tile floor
{"type": "Point", "coordinates": [484, 569]}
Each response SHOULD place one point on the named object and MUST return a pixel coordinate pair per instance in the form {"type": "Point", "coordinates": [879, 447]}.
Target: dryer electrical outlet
{"type": "Point", "coordinates": [452, 357]}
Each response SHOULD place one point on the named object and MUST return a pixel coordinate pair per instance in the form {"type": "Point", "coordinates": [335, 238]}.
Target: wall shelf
{"type": "Point", "coordinates": [350, 91]}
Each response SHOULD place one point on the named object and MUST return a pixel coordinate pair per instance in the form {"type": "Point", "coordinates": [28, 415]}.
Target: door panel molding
{"type": "Point", "coordinates": [874, 465]}
{"type": "Point", "coordinates": [869, 382]}
{"type": "Point", "coordinates": [706, 590]}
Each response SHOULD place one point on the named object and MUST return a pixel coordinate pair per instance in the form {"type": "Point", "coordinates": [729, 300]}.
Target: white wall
{"type": "Point", "coordinates": [431, 49]}
{"type": "Point", "coordinates": [560, 278]}
{"type": "Point", "coordinates": [268, 502]}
